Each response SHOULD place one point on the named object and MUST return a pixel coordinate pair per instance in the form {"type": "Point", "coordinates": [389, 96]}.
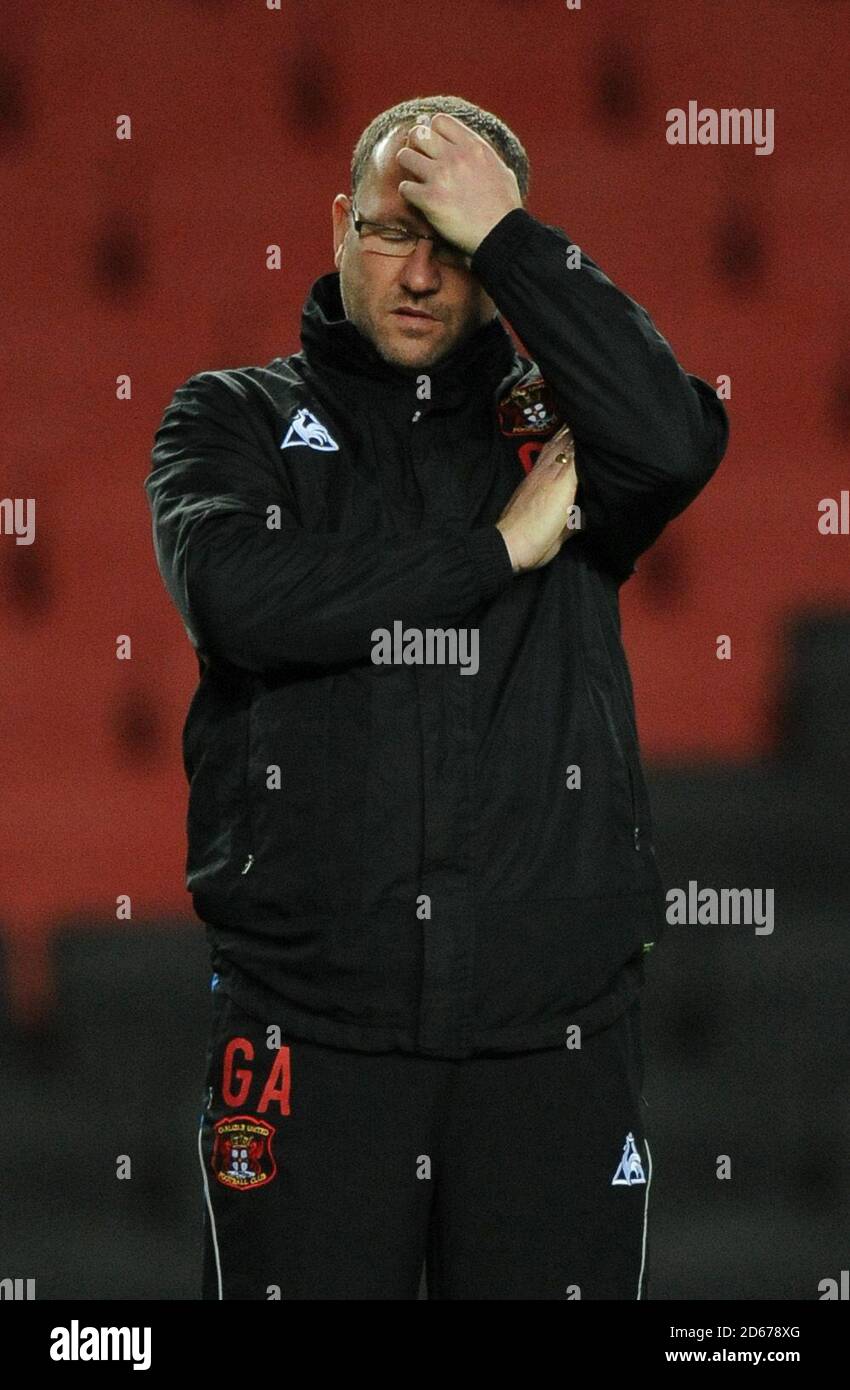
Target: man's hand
{"type": "Point", "coordinates": [456, 180]}
{"type": "Point", "coordinates": [537, 520]}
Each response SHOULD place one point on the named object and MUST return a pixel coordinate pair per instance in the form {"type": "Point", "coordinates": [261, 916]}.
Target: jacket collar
{"type": "Point", "coordinates": [332, 341]}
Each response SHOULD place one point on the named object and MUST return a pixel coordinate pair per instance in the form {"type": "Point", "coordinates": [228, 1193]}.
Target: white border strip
{"type": "Point", "coordinates": [645, 1217]}
{"type": "Point", "coordinates": [209, 1207]}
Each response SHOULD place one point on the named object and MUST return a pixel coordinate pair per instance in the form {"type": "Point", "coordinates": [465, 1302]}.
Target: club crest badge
{"type": "Point", "coordinates": [529, 414]}
{"type": "Point", "coordinates": [529, 409]}
{"type": "Point", "coordinates": [242, 1155]}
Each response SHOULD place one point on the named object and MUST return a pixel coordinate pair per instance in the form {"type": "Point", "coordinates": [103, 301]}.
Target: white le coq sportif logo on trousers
{"type": "Point", "coordinates": [630, 1171]}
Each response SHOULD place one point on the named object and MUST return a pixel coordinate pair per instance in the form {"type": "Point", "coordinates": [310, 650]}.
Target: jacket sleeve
{"type": "Point", "coordinates": [648, 435]}
{"type": "Point", "coordinates": [260, 597]}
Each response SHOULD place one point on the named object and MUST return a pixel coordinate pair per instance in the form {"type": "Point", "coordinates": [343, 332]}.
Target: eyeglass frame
{"type": "Point", "coordinates": [439, 242]}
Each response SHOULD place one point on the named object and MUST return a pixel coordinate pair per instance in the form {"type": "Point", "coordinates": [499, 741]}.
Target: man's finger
{"type": "Point", "coordinates": [454, 130]}
{"type": "Point", "coordinates": [416, 163]}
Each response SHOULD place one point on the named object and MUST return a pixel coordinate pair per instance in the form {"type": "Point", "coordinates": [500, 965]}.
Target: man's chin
{"type": "Point", "coordinates": [413, 357]}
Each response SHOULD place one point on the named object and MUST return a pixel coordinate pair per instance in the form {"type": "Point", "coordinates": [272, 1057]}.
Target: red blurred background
{"type": "Point", "coordinates": [146, 257]}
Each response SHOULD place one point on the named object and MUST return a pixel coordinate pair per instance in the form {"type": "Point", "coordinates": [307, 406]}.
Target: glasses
{"type": "Point", "coordinates": [400, 241]}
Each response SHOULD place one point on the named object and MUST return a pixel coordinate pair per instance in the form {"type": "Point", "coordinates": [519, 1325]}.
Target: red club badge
{"type": "Point", "coordinates": [242, 1155]}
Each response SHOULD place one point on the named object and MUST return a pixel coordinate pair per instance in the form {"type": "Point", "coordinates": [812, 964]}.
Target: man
{"type": "Point", "coordinates": [419, 832]}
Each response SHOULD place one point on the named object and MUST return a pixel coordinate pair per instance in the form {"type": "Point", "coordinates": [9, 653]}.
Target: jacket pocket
{"type": "Point", "coordinates": [623, 777]}
{"type": "Point", "coordinates": [284, 848]}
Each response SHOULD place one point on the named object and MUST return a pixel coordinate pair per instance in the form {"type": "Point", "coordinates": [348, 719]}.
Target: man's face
{"type": "Point", "coordinates": [376, 288]}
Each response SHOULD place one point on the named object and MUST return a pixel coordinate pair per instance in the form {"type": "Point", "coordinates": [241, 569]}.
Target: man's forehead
{"type": "Point", "coordinates": [383, 173]}
{"type": "Point", "coordinates": [383, 159]}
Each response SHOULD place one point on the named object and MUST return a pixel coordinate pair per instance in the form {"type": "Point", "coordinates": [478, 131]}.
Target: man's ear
{"type": "Point", "coordinates": [341, 218]}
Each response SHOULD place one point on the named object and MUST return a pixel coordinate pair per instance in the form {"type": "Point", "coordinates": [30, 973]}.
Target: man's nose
{"type": "Point", "coordinates": [421, 268]}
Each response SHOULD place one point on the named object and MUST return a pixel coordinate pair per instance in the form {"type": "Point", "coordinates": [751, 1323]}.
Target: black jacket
{"type": "Point", "coordinates": [397, 856]}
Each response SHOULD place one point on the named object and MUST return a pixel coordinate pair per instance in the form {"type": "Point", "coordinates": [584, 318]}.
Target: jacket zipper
{"type": "Point", "coordinates": [246, 793]}
{"type": "Point", "coordinates": [636, 827]}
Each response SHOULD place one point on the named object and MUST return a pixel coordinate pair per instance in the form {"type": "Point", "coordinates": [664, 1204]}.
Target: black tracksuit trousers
{"type": "Point", "coordinates": [332, 1174]}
